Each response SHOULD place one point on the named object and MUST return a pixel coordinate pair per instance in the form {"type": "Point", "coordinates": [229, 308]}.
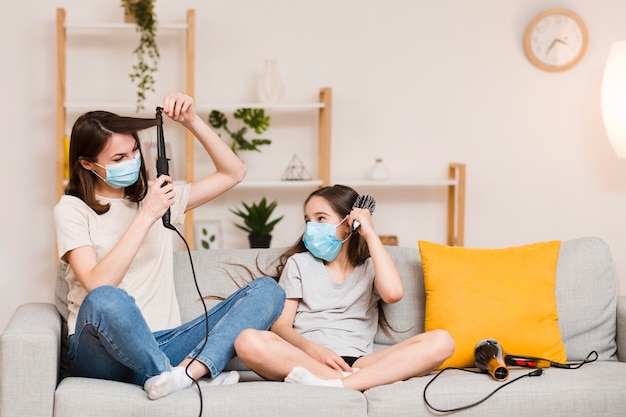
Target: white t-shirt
{"type": "Point", "coordinates": [150, 277]}
{"type": "Point", "coordinates": [341, 317]}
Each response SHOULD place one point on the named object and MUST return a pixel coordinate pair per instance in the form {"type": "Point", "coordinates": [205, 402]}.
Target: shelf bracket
{"type": "Point", "coordinates": [456, 205]}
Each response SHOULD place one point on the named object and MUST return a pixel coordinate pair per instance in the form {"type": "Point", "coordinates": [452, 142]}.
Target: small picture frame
{"type": "Point", "coordinates": [208, 234]}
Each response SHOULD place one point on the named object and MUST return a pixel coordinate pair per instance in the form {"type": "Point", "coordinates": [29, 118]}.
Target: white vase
{"type": "Point", "coordinates": [379, 171]}
{"type": "Point", "coordinates": [270, 85]}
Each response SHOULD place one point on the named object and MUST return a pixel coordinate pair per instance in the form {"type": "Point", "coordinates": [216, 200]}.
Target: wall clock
{"type": "Point", "coordinates": [556, 40]}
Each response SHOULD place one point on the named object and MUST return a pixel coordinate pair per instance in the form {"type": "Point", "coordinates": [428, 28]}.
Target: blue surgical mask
{"type": "Point", "coordinates": [321, 240]}
{"type": "Point", "coordinates": [122, 174]}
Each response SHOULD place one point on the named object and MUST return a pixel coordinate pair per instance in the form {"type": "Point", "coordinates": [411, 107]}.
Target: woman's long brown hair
{"type": "Point", "coordinates": [90, 134]}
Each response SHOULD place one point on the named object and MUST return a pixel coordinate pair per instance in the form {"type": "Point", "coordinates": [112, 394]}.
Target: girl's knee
{"type": "Point", "coordinates": [442, 343]}
{"type": "Point", "coordinates": [250, 343]}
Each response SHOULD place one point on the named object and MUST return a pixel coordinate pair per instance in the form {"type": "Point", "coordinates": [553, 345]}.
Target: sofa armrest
{"type": "Point", "coordinates": [30, 360]}
{"type": "Point", "coordinates": [621, 328]}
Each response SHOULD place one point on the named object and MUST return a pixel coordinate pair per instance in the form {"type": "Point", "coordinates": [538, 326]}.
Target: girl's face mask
{"type": "Point", "coordinates": [321, 240]}
{"type": "Point", "coordinates": [123, 174]}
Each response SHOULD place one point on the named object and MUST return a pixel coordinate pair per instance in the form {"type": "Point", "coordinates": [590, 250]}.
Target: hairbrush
{"type": "Point", "coordinates": [363, 202]}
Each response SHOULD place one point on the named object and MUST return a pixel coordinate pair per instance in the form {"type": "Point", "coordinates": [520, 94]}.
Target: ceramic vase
{"type": "Point", "coordinates": [379, 171]}
{"type": "Point", "coordinates": [270, 85]}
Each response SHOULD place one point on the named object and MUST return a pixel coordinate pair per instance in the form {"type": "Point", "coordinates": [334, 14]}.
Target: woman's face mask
{"type": "Point", "coordinates": [122, 174]}
{"type": "Point", "coordinates": [321, 240]}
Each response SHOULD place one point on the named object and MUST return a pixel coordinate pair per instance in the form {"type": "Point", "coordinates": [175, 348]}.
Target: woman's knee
{"type": "Point", "coordinates": [270, 286]}
{"type": "Point", "coordinates": [106, 298]}
{"type": "Point", "coordinates": [274, 293]}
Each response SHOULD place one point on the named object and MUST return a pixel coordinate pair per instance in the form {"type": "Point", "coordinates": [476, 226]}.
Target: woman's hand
{"type": "Point", "coordinates": [179, 107]}
{"type": "Point", "coordinates": [159, 198]}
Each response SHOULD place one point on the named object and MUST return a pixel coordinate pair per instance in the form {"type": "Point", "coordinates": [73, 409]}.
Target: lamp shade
{"type": "Point", "coordinates": [613, 101]}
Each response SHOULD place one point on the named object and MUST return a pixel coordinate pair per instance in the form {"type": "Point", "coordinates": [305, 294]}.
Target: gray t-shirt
{"type": "Point", "coordinates": [341, 317]}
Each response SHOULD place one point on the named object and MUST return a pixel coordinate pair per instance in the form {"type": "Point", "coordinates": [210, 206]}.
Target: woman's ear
{"type": "Point", "coordinates": [86, 164]}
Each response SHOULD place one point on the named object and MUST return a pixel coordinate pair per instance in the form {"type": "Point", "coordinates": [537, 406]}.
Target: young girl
{"type": "Point", "coordinates": [124, 322]}
{"type": "Point", "coordinates": [334, 279]}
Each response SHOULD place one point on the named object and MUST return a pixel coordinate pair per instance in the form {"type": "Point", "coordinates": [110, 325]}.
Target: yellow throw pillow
{"type": "Point", "coordinates": [503, 294]}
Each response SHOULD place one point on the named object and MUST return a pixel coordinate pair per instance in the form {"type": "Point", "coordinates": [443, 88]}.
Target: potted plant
{"type": "Point", "coordinates": [257, 223]}
{"type": "Point", "coordinates": [141, 12]}
{"type": "Point", "coordinates": [254, 119]}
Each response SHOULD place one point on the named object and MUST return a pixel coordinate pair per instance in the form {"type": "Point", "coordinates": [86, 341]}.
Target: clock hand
{"type": "Point", "coordinates": [554, 42]}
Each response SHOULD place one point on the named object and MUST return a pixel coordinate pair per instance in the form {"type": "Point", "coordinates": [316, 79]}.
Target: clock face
{"type": "Point", "coordinates": [556, 40]}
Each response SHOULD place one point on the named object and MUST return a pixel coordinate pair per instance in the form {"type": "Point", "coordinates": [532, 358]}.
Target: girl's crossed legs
{"type": "Point", "coordinates": [276, 359]}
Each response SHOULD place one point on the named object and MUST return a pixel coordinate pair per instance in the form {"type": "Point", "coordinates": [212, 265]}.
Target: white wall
{"type": "Point", "coordinates": [419, 83]}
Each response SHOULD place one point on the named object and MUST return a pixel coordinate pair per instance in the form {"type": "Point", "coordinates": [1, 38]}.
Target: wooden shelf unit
{"type": "Point", "coordinates": [455, 181]}
{"type": "Point", "coordinates": [455, 201]}
{"type": "Point", "coordinates": [61, 95]}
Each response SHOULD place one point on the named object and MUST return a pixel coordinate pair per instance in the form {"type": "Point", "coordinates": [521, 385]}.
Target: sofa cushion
{"type": "Point", "coordinates": [596, 389]}
{"type": "Point", "coordinates": [504, 294]}
{"type": "Point", "coordinates": [220, 272]}
{"type": "Point", "coordinates": [100, 398]}
{"type": "Point", "coordinates": [586, 298]}
{"type": "Point", "coordinates": [406, 317]}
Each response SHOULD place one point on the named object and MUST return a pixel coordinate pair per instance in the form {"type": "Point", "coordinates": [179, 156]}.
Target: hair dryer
{"type": "Point", "coordinates": [162, 166]}
{"type": "Point", "coordinates": [489, 357]}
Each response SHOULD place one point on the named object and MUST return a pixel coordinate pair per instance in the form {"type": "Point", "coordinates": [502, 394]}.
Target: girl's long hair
{"type": "Point", "coordinates": [90, 134]}
{"type": "Point", "coordinates": [341, 199]}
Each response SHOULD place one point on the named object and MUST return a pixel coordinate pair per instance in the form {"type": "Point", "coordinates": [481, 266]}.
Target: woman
{"type": "Point", "coordinates": [334, 279]}
{"type": "Point", "coordinates": [124, 322]}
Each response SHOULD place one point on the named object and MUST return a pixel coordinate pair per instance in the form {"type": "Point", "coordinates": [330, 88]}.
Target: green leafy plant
{"type": "Point", "coordinates": [147, 53]}
{"type": "Point", "coordinates": [256, 218]}
{"type": "Point", "coordinates": [207, 239]}
{"type": "Point", "coordinates": [254, 119]}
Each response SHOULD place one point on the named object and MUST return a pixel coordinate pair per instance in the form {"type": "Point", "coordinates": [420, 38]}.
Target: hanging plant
{"type": "Point", "coordinates": [147, 53]}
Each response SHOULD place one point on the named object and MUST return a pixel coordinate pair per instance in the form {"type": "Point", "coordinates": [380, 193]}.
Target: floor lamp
{"type": "Point", "coordinates": [613, 101]}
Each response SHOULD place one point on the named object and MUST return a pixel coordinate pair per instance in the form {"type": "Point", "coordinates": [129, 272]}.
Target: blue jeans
{"type": "Point", "coordinates": [112, 339]}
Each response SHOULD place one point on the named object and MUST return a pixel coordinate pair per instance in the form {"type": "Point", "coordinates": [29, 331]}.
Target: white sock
{"type": "Point", "coordinates": [346, 373]}
{"type": "Point", "coordinates": [300, 375]}
{"type": "Point", "coordinates": [167, 382]}
{"type": "Point", "coordinates": [223, 378]}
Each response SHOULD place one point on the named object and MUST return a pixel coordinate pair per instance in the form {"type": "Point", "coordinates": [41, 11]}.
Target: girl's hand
{"type": "Point", "coordinates": [327, 357]}
{"type": "Point", "coordinates": [179, 107]}
{"type": "Point", "coordinates": [159, 198]}
{"type": "Point", "coordinates": [364, 217]}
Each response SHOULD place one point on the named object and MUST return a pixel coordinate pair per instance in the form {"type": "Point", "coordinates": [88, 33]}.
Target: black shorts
{"type": "Point", "coordinates": [350, 359]}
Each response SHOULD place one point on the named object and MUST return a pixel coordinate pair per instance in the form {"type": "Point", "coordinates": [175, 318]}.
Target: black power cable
{"type": "Point", "coordinates": [206, 321]}
{"type": "Point", "coordinates": [591, 357]}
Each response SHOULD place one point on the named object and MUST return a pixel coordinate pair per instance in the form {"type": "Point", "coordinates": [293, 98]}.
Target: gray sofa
{"type": "Point", "coordinates": [591, 317]}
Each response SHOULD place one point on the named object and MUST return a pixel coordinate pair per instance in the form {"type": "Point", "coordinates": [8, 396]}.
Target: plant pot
{"type": "Point", "coordinates": [129, 17]}
{"type": "Point", "coordinates": [258, 241]}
